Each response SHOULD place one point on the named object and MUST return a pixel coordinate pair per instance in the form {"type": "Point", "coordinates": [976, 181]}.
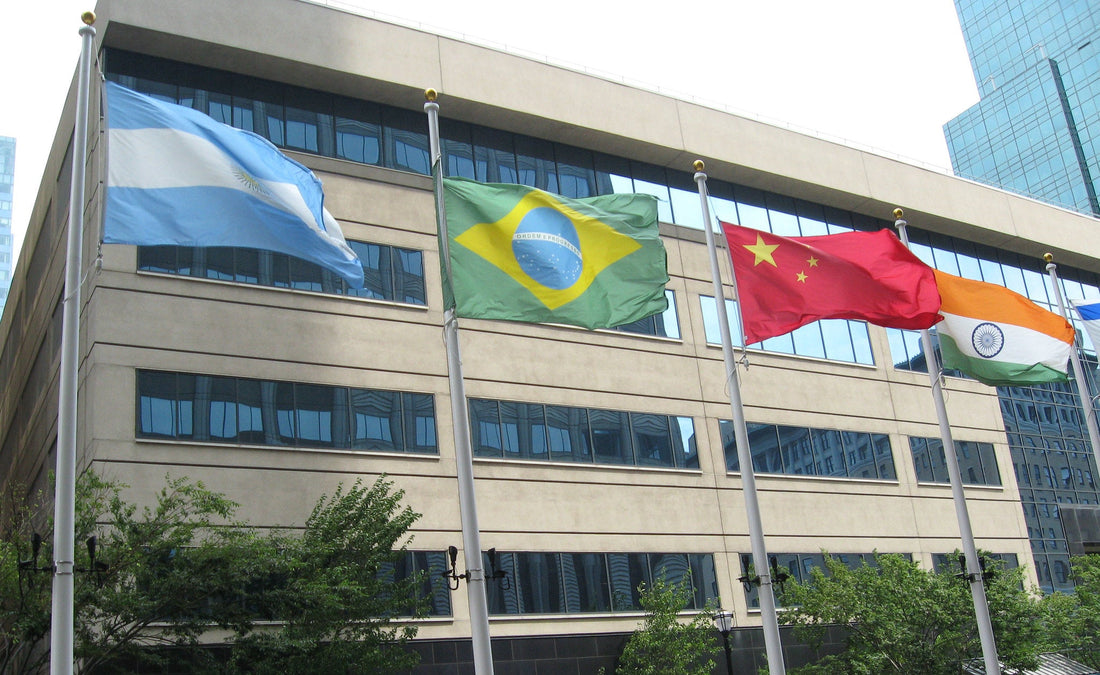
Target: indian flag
{"type": "Point", "coordinates": [999, 337]}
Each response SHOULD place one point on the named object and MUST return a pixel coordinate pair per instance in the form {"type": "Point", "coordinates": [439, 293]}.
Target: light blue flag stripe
{"type": "Point", "coordinates": [178, 177]}
{"type": "Point", "coordinates": [1089, 311]}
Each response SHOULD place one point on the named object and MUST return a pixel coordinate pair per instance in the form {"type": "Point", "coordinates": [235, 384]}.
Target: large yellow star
{"type": "Point", "coordinates": [762, 251]}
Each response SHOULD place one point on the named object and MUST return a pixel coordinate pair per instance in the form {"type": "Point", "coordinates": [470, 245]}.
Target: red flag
{"type": "Point", "coordinates": [787, 282]}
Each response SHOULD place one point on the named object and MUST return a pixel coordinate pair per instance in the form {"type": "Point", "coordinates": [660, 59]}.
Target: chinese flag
{"type": "Point", "coordinates": [787, 282]}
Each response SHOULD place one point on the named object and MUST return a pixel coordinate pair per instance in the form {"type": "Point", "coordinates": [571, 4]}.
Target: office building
{"type": "Point", "coordinates": [1036, 129]}
{"type": "Point", "coordinates": [602, 458]}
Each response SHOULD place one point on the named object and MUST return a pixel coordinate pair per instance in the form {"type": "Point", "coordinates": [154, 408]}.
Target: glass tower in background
{"type": "Point", "coordinates": [7, 181]}
{"type": "Point", "coordinates": [1036, 129]}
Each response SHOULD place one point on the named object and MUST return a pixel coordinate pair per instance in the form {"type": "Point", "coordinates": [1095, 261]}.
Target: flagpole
{"type": "Point", "coordinates": [1078, 370]}
{"type": "Point", "coordinates": [768, 615]}
{"type": "Point", "coordinates": [973, 567]}
{"type": "Point", "coordinates": [61, 617]}
{"type": "Point", "coordinates": [460, 415]}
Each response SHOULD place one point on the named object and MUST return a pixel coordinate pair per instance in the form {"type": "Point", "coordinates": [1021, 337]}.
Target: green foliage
{"type": "Point", "coordinates": [24, 598]}
{"type": "Point", "coordinates": [1073, 621]}
{"type": "Point", "coordinates": [905, 619]}
{"type": "Point", "coordinates": [339, 599]}
{"type": "Point", "coordinates": [663, 645]}
{"type": "Point", "coordinates": [171, 573]}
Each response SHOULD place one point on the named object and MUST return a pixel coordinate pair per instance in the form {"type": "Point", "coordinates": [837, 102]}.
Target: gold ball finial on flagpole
{"type": "Point", "coordinates": [699, 165]}
{"type": "Point", "coordinates": [88, 18]}
{"type": "Point", "coordinates": [898, 213]}
{"type": "Point", "coordinates": [1048, 258]}
{"type": "Point", "coordinates": [430, 95]}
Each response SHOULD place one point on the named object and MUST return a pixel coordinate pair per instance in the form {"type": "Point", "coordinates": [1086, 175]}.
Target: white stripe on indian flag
{"type": "Point", "coordinates": [1021, 345]}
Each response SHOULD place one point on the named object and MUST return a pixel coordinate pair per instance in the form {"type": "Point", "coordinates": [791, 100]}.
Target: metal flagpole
{"type": "Point", "coordinates": [1078, 370]}
{"type": "Point", "coordinates": [460, 414]}
{"type": "Point", "coordinates": [973, 567]}
{"type": "Point", "coordinates": [770, 620]}
{"type": "Point", "coordinates": [61, 619]}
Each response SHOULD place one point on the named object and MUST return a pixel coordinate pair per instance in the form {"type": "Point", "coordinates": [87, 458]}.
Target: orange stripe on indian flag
{"type": "Point", "coordinates": [996, 304]}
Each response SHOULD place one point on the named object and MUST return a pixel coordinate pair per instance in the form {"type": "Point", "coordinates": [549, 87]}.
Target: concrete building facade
{"type": "Point", "coordinates": [602, 458]}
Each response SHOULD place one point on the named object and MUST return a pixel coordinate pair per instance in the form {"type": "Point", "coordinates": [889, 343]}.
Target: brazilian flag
{"type": "Point", "coordinates": [522, 254]}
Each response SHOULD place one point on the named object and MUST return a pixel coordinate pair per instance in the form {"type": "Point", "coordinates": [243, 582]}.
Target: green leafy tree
{"type": "Point", "coordinates": [1072, 621]}
{"type": "Point", "coordinates": [166, 575]}
{"type": "Point", "coordinates": [902, 618]}
{"type": "Point", "coordinates": [340, 599]}
{"type": "Point", "coordinates": [24, 594]}
{"type": "Point", "coordinates": [664, 645]}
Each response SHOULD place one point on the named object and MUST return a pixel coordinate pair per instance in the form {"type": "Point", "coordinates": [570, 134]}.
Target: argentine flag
{"type": "Point", "coordinates": [1089, 311]}
{"type": "Point", "coordinates": [178, 177]}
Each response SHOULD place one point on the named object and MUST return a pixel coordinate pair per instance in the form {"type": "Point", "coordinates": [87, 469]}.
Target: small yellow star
{"type": "Point", "coordinates": [801, 277]}
{"type": "Point", "coordinates": [813, 261]}
{"type": "Point", "coordinates": [762, 251]}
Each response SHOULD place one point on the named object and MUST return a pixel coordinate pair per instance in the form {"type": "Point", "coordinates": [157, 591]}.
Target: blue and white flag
{"type": "Point", "coordinates": [1089, 311]}
{"type": "Point", "coordinates": [178, 177]}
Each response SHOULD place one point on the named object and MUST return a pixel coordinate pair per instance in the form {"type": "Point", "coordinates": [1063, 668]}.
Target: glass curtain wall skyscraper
{"type": "Point", "coordinates": [1036, 129]}
{"type": "Point", "coordinates": [7, 182]}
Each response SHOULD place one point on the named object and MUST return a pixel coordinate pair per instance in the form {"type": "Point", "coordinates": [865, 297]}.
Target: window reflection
{"type": "Point", "coordinates": [559, 433]}
{"type": "Point", "coordinates": [803, 451]}
{"type": "Point", "coordinates": [212, 409]}
{"type": "Point", "coordinates": [389, 272]}
{"type": "Point", "coordinates": [834, 339]}
{"type": "Point", "coordinates": [574, 583]}
{"type": "Point", "coordinates": [976, 461]}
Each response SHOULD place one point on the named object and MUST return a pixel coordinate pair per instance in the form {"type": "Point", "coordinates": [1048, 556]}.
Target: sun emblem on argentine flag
{"type": "Point", "coordinates": [249, 181]}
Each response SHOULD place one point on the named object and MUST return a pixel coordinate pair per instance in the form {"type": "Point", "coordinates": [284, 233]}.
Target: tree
{"type": "Point", "coordinates": [1073, 620]}
{"type": "Point", "coordinates": [166, 575]}
{"type": "Point", "coordinates": [663, 645]}
{"type": "Point", "coordinates": [24, 608]}
{"type": "Point", "coordinates": [905, 619]}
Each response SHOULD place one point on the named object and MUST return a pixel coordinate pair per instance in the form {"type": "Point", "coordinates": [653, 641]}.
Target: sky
{"type": "Point", "coordinates": [882, 75]}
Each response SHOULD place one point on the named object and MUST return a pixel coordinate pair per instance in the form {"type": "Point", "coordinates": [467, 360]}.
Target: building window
{"type": "Point", "coordinates": [954, 562]}
{"type": "Point", "coordinates": [389, 272]}
{"type": "Point", "coordinates": [533, 431]}
{"type": "Point", "coordinates": [977, 462]}
{"type": "Point", "coordinates": [799, 566]}
{"type": "Point", "coordinates": [834, 339]}
{"type": "Point", "coordinates": [579, 583]}
{"type": "Point", "coordinates": [431, 565]}
{"type": "Point", "coordinates": [242, 411]}
{"type": "Point", "coordinates": [659, 325]}
{"type": "Point", "coordinates": [805, 451]}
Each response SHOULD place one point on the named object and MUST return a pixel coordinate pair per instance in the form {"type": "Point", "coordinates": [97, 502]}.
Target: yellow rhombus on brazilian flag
{"type": "Point", "coordinates": [522, 254]}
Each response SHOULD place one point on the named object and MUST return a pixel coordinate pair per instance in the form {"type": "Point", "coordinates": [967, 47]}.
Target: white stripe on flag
{"type": "Point", "coordinates": [138, 161]}
{"type": "Point", "coordinates": [1021, 345]}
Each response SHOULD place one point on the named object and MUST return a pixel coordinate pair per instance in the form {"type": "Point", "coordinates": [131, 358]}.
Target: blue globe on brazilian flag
{"type": "Point", "coordinates": [522, 254]}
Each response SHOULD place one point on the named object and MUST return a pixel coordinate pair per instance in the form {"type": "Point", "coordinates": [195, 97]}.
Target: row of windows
{"type": "Point", "coordinates": [803, 451]}
{"type": "Point", "coordinates": [215, 409]}
{"type": "Point", "coordinates": [1036, 467]}
{"type": "Point", "coordinates": [952, 563]}
{"type": "Point", "coordinates": [834, 339]}
{"type": "Point", "coordinates": [588, 435]}
{"type": "Point", "coordinates": [389, 272]}
{"type": "Point", "coordinates": [977, 463]}
{"type": "Point", "coordinates": [575, 583]}
{"type": "Point", "coordinates": [798, 566]}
